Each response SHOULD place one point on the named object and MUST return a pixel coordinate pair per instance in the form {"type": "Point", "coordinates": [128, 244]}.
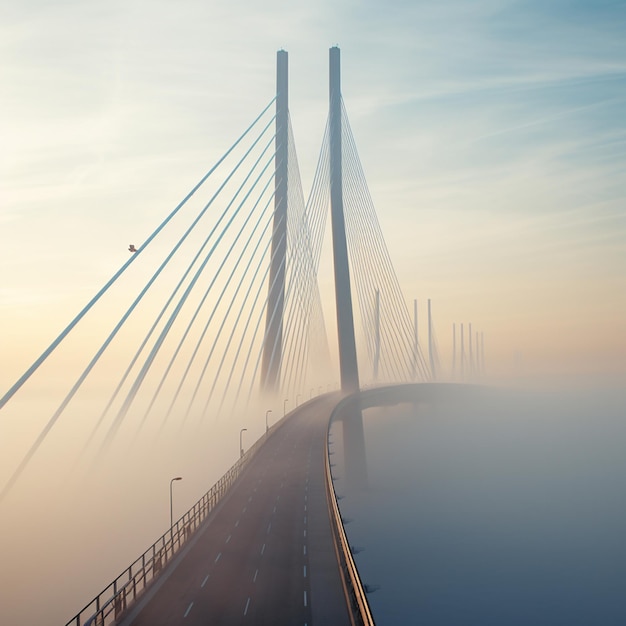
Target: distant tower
{"type": "Point", "coordinates": [415, 340]}
{"type": "Point", "coordinates": [377, 334]}
{"type": "Point", "coordinates": [478, 353]}
{"type": "Point", "coordinates": [471, 358]}
{"type": "Point", "coordinates": [431, 354]}
{"type": "Point", "coordinates": [482, 352]}
{"type": "Point", "coordinates": [462, 353]}
{"type": "Point", "coordinates": [453, 350]}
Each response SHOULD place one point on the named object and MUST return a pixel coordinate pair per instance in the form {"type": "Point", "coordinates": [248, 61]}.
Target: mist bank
{"type": "Point", "coordinates": [506, 507]}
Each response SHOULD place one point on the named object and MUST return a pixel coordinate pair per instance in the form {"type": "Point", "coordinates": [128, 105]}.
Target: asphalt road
{"type": "Point", "coordinates": [267, 556]}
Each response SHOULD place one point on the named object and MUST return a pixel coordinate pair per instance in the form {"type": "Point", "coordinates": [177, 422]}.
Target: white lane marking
{"type": "Point", "coordinates": [245, 611]}
{"type": "Point", "coordinates": [305, 604]}
{"type": "Point", "coordinates": [305, 507]}
{"type": "Point", "coordinates": [204, 581]}
{"type": "Point", "coordinates": [250, 499]}
{"type": "Point", "coordinates": [228, 538]}
{"type": "Point", "coordinates": [305, 533]}
{"type": "Point", "coordinates": [304, 570]}
{"type": "Point", "coordinates": [245, 508]}
{"type": "Point", "coordinates": [306, 496]}
{"type": "Point", "coordinates": [305, 520]}
{"type": "Point", "coordinates": [304, 549]}
{"type": "Point", "coordinates": [255, 575]}
{"type": "Point", "coordinates": [269, 527]}
{"type": "Point", "coordinates": [263, 549]}
{"type": "Point", "coordinates": [236, 523]}
{"type": "Point", "coordinates": [274, 511]}
{"type": "Point", "coordinates": [188, 609]}
{"type": "Point", "coordinates": [217, 558]}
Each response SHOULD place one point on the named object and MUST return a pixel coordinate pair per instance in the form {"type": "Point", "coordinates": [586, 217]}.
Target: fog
{"type": "Point", "coordinates": [508, 510]}
{"type": "Point", "coordinates": [77, 517]}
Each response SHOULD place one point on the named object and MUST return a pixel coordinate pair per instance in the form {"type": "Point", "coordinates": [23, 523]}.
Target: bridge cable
{"type": "Point", "coordinates": [180, 283]}
{"type": "Point", "coordinates": [221, 296]}
{"type": "Point", "coordinates": [11, 392]}
{"type": "Point", "coordinates": [46, 353]}
{"type": "Point", "coordinates": [150, 359]}
{"type": "Point", "coordinates": [214, 278]}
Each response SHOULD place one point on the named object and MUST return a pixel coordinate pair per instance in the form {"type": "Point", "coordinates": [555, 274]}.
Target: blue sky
{"type": "Point", "coordinates": [492, 134]}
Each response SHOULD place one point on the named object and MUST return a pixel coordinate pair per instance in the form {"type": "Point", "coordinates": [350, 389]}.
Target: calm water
{"type": "Point", "coordinates": [511, 511]}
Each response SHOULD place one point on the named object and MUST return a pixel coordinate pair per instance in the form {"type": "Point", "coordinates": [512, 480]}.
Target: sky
{"type": "Point", "coordinates": [492, 135]}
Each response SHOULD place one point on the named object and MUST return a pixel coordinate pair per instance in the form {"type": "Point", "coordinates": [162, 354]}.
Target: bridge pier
{"type": "Point", "coordinates": [353, 435]}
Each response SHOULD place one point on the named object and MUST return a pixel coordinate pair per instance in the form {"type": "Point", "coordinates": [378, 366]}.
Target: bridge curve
{"type": "Point", "coordinates": [267, 554]}
{"type": "Point", "coordinates": [266, 544]}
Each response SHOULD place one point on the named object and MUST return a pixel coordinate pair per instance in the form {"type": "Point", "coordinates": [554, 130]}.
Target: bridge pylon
{"type": "Point", "coordinates": [272, 349]}
{"type": "Point", "coordinates": [354, 437]}
{"type": "Point", "coordinates": [343, 295]}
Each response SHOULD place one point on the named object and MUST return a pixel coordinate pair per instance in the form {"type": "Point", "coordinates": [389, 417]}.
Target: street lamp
{"type": "Point", "coordinates": [266, 414]}
{"type": "Point", "coordinates": [241, 432]}
{"type": "Point", "coordinates": [285, 406]}
{"type": "Point", "coordinates": [172, 505]}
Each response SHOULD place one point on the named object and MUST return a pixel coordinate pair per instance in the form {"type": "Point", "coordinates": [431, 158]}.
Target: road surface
{"type": "Point", "coordinates": [266, 556]}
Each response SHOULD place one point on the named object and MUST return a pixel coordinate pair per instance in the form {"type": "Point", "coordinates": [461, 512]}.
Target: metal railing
{"type": "Point", "coordinates": [358, 607]}
{"type": "Point", "coordinates": [118, 596]}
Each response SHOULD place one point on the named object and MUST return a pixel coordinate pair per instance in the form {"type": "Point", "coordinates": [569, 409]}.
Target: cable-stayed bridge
{"type": "Point", "coordinates": [218, 312]}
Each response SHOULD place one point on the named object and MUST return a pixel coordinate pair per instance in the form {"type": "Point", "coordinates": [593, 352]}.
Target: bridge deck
{"type": "Point", "coordinates": [267, 556]}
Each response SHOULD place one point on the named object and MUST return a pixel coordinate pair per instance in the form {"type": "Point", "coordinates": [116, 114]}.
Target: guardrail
{"type": "Point", "coordinates": [358, 607]}
{"type": "Point", "coordinates": [118, 596]}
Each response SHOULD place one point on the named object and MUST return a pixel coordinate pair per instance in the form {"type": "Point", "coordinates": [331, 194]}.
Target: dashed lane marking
{"type": "Point", "coordinates": [255, 575]}
{"type": "Point", "coordinates": [263, 549]}
{"type": "Point", "coordinates": [188, 609]}
{"type": "Point", "coordinates": [217, 558]}
{"type": "Point", "coordinates": [245, 611]}
{"type": "Point", "coordinates": [204, 581]}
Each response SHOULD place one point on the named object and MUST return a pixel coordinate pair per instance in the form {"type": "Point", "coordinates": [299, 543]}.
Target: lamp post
{"type": "Point", "coordinates": [172, 506]}
{"type": "Point", "coordinates": [266, 424]}
{"type": "Point", "coordinates": [285, 406]}
{"type": "Point", "coordinates": [241, 432]}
